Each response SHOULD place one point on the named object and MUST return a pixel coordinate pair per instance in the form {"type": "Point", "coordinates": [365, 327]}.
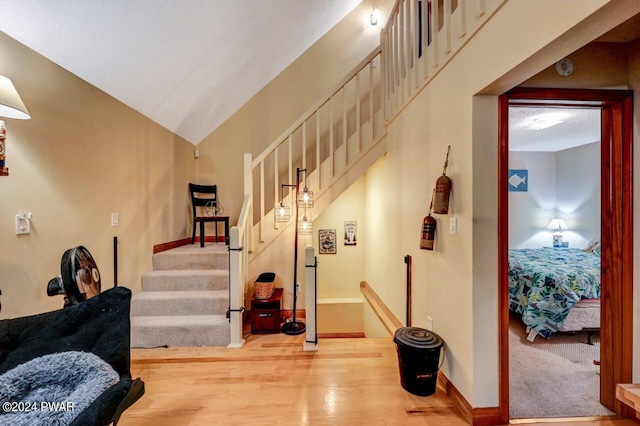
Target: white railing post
{"type": "Point", "coordinates": [236, 296]}
{"type": "Point", "coordinates": [240, 241]}
{"type": "Point", "coordinates": [311, 302]}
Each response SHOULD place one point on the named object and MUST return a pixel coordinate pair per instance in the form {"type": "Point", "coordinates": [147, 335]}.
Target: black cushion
{"type": "Point", "coordinates": [99, 325]}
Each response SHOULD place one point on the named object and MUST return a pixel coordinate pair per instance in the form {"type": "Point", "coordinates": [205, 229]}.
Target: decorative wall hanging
{"type": "Point", "coordinates": [518, 180]}
{"type": "Point", "coordinates": [350, 231]}
{"type": "Point", "coordinates": [443, 189]}
{"type": "Point", "coordinates": [428, 230]}
{"type": "Point", "coordinates": [327, 241]}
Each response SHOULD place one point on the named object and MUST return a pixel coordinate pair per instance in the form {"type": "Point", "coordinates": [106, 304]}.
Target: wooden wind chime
{"type": "Point", "coordinates": [439, 204]}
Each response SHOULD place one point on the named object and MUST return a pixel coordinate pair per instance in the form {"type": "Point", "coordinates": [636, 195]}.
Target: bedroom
{"type": "Point", "coordinates": [554, 262]}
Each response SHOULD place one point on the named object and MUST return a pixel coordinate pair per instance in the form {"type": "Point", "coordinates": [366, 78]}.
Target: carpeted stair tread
{"type": "Point", "coordinates": [178, 320]}
{"type": "Point", "coordinates": [179, 331]}
{"type": "Point", "coordinates": [172, 303]}
{"type": "Point", "coordinates": [212, 256]}
{"type": "Point", "coordinates": [185, 280]}
{"type": "Point", "coordinates": [181, 295]}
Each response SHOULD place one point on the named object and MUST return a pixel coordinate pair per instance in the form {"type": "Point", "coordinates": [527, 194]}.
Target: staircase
{"type": "Point", "coordinates": [184, 299]}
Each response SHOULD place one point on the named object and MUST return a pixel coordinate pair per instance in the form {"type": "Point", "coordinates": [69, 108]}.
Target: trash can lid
{"type": "Point", "coordinates": [418, 338]}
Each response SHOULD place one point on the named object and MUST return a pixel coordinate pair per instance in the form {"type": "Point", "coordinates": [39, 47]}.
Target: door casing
{"type": "Point", "coordinates": [616, 315]}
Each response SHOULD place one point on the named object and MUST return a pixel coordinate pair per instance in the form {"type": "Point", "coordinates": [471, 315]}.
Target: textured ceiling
{"type": "Point", "coordinates": [575, 127]}
{"type": "Point", "coordinates": [186, 64]}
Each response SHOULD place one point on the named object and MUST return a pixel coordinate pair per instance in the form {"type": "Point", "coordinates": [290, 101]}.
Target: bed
{"type": "Point", "coordinates": [555, 289]}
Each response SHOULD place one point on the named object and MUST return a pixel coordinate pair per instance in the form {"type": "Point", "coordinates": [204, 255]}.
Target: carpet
{"type": "Point", "coordinates": [553, 377]}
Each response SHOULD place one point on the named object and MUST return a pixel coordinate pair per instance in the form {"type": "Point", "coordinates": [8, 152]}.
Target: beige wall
{"type": "Point", "coordinates": [457, 283]}
{"type": "Point", "coordinates": [82, 156]}
{"type": "Point", "coordinates": [339, 274]}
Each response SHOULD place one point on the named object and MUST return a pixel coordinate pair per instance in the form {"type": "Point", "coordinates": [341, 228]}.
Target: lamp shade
{"type": "Point", "coordinates": [11, 106]}
{"type": "Point", "coordinates": [283, 212]}
{"type": "Point", "coordinates": [558, 225]}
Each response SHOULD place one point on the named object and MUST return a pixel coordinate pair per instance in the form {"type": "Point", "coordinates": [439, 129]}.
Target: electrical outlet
{"type": "Point", "coordinates": [429, 323]}
{"type": "Point", "coordinates": [115, 219]}
{"type": "Point", "coordinates": [299, 287]}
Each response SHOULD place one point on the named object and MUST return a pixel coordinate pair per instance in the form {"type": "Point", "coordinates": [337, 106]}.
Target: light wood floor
{"type": "Point", "coordinates": [271, 381]}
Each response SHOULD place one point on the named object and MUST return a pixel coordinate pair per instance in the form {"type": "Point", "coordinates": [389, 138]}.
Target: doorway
{"type": "Point", "coordinates": [616, 227]}
{"type": "Point", "coordinates": [554, 260]}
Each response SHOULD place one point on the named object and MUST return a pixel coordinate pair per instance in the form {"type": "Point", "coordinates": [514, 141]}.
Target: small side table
{"type": "Point", "coordinates": [265, 313]}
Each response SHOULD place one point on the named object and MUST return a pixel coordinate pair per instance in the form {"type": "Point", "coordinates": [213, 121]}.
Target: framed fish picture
{"type": "Point", "coordinates": [518, 180]}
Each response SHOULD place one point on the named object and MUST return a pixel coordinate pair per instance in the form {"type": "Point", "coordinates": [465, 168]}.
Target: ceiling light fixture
{"type": "Point", "coordinates": [541, 124]}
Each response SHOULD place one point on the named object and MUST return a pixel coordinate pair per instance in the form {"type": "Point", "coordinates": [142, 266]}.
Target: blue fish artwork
{"type": "Point", "coordinates": [518, 180]}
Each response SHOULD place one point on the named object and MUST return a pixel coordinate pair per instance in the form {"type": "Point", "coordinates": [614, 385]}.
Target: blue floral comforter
{"type": "Point", "coordinates": [544, 284]}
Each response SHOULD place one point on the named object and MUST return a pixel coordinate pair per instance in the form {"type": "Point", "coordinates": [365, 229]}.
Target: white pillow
{"type": "Point", "coordinates": [593, 246]}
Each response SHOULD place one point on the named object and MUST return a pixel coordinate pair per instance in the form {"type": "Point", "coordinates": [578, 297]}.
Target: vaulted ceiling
{"type": "Point", "coordinates": [186, 64]}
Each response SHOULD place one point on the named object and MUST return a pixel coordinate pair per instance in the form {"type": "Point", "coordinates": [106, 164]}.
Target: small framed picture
{"type": "Point", "coordinates": [350, 231]}
{"type": "Point", "coordinates": [518, 180]}
{"type": "Point", "coordinates": [327, 241]}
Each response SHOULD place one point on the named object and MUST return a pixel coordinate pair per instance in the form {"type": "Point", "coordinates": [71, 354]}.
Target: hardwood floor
{"type": "Point", "coordinates": [271, 381]}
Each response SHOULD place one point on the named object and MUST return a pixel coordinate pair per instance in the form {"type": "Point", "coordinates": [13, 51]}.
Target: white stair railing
{"type": "Point", "coordinates": [331, 136]}
{"type": "Point", "coordinates": [420, 38]}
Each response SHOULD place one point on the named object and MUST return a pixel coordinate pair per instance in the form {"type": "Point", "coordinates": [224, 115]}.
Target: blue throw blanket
{"type": "Point", "coordinates": [53, 389]}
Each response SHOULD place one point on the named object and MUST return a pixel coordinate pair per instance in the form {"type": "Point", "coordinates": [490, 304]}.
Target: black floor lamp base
{"type": "Point", "coordinates": [294, 328]}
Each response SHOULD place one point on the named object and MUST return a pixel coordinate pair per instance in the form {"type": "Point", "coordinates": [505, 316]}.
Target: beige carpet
{"type": "Point", "coordinates": [553, 377]}
{"type": "Point", "coordinates": [184, 300]}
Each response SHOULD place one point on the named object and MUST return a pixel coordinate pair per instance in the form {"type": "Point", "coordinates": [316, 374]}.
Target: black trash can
{"type": "Point", "coordinates": [418, 358]}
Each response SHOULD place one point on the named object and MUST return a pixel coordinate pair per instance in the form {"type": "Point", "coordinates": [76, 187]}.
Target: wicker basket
{"type": "Point", "coordinates": [264, 286]}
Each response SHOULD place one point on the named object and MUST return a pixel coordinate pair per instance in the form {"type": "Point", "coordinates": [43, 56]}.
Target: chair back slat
{"type": "Point", "coordinates": [203, 195]}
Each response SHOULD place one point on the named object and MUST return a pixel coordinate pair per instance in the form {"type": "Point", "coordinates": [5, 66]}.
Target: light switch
{"type": "Point", "coordinates": [115, 219]}
{"type": "Point", "coordinates": [453, 226]}
{"type": "Point", "coordinates": [23, 223]}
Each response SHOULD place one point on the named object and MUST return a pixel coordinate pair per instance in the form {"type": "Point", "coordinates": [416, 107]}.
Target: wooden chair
{"type": "Point", "coordinates": [204, 197]}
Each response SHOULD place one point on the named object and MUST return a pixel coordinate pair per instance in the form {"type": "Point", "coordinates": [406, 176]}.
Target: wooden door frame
{"type": "Point", "coordinates": [616, 312]}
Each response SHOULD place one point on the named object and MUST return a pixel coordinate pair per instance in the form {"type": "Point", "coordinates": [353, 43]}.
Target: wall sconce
{"type": "Point", "coordinates": [558, 225]}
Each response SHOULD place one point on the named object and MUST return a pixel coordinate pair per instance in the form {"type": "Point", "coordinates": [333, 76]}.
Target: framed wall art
{"type": "Point", "coordinates": [327, 241]}
{"type": "Point", "coordinates": [350, 232]}
{"type": "Point", "coordinates": [518, 180]}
